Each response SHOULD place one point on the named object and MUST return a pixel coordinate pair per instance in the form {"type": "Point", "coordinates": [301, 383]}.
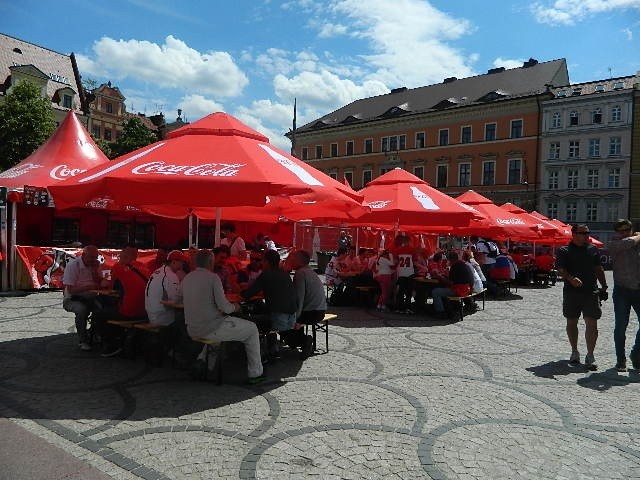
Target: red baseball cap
{"type": "Point", "coordinates": [177, 255]}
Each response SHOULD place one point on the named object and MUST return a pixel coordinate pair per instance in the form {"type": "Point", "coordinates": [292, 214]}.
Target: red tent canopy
{"type": "Point", "coordinates": [215, 162]}
{"type": "Point", "coordinates": [69, 151]}
{"type": "Point", "coordinates": [401, 199]}
{"type": "Point", "coordinates": [565, 231]}
{"type": "Point", "coordinates": [542, 230]}
{"type": "Point", "coordinates": [499, 224]}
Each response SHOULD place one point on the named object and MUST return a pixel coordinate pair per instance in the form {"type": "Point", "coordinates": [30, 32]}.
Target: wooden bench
{"type": "Point", "coordinates": [546, 277]}
{"type": "Point", "coordinates": [211, 345]}
{"type": "Point", "coordinates": [329, 288]}
{"type": "Point", "coordinates": [321, 326]}
{"type": "Point", "coordinates": [505, 286]}
{"type": "Point", "coordinates": [366, 295]}
{"type": "Point", "coordinates": [460, 301]}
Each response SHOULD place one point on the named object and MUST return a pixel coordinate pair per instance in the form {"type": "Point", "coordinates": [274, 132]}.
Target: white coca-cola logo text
{"type": "Point", "coordinates": [208, 169]}
{"type": "Point", "coordinates": [62, 171]}
{"type": "Point", "coordinates": [19, 170]}
{"type": "Point", "coordinates": [99, 202]}
{"type": "Point", "coordinates": [377, 204]}
{"type": "Point", "coordinates": [509, 221]}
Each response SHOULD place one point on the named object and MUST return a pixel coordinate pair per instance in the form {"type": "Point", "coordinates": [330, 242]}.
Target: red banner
{"type": "Point", "coordinates": [45, 265]}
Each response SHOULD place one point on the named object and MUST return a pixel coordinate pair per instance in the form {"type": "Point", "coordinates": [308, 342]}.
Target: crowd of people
{"type": "Point", "coordinates": [186, 294]}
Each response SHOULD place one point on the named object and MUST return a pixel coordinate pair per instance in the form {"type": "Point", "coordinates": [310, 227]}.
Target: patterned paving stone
{"type": "Point", "coordinates": [337, 364]}
{"type": "Point", "coordinates": [474, 343]}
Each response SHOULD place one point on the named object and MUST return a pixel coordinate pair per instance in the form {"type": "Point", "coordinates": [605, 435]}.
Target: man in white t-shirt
{"type": "Point", "coordinates": [232, 240]}
{"type": "Point", "coordinates": [486, 252]}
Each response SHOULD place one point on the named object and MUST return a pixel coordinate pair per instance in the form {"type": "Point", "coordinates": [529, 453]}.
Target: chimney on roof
{"type": "Point", "coordinates": [450, 79]}
{"type": "Point", "coordinates": [399, 89]}
{"type": "Point", "coordinates": [530, 63]}
{"type": "Point", "coordinates": [495, 70]}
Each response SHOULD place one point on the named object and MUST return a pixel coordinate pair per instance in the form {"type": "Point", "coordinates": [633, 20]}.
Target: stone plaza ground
{"type": "Point", "coordinates": [397, 396]}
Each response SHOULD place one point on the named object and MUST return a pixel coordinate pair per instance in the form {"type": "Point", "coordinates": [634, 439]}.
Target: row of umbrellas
{"type": "Point", "coordinates": [220, 163]}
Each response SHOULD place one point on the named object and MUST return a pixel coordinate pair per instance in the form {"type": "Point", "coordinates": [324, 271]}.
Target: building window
{"type": "Point", "coordinates": [616, 113]}
{"type": "Point", "coordinates": [305, 153]}
{"type": "Point", "coordinates": [594, 147]}
{"type": "Point", "coordinates": [419, 172]}
{"type": "Point", "coordinates": [350, 147]}
{"type": "Point", "coordinates": [554, 177]}
{"type": "Point", "coordinates": [552, 210]}
{"type": "Point", "coordinates": [612, 212]}
{"type": "Point", "coordinates": [66, 101]}
{"type": "Point", "coordinates": [464, 174]}
{"type": "Point", "coordinates": [107, 134]}
{"type": "Point", "coordinates": [614, 177]}
{"type": "Point", "coordinates": [95, 131]}
{"type": "Point", "coordinates": [573, 118]}
{"type": "Point", "coordinates": [596, 116]}
{"type": "Point", "coordinates": [402, 141]}
{"type": "Point", "coordinates": [384, 144]}
{"type": "Point", "coordinates": [348, 176]}
{"type": "Point", "coordinates": [368, 145]}
{"type": "Point", "coordinates": [465, 135]}
{"type": "Point", "coordinates": [574, 149]}
{"type": "Point", "coordinates": [65, 230]}
{"type": "Point", "coordinates": [592, 178]}
{"type": "Point", "coordinates": [118, 233]}
{"type": "Point", "coordinates": [572, 211]}
{"type": "Point", "coordinates": [489, 132]}
{"type": "Point", "coordinates": [618, 85]}
{"type": "Point", "coordinates": [572, 179]}
{"type": "Point", "coordinates": [516, 128]}
{"type": "Point", "coordinates": [420, 140]}
{"type": "Point", "coordinates": [318, 151]}
{"type": "Point", "coordinates": [489, 173]}
{"type": "Point", "coordinates": [592, 211]}
{"type": "Point", "coordinates": [443, 137]}
{"type": "Point", "coordinates": [599, 89]}
{"type": "Point", "coordinates": [576, 91]}
{"type": "Point", "coordinates": [334, 149]}
{"type": "Point", "coordinates": [366, 177]}
{"type": "Point", "coordinates": [333, 175]}
{"type": "Point", "coordinates": [554, 150]}
{"type": "Point", "coordinates": [556, 120]}
{"type": "Point", "coordinates": [615, 146]}
{"type": "Point", "coordinates": [441, 176]}
{"type": "Point", "coordinates": [394, 143]}
{"type": "Point", "coordinates": [108, 107]}
{"type": "Point", "coordinates": [515, 168]}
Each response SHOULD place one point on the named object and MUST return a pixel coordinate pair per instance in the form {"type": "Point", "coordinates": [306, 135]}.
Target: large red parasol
{"type": "Point", "coordinates": [400, 199]}
{"type": "Point", "coordinates": [541, 230]}
{"type": "Point", "coordinates": [68, 152]}
{"type": "Point", "coordinates": [499, 224]}
{"type": "Point", "coordinates": [215, 162]}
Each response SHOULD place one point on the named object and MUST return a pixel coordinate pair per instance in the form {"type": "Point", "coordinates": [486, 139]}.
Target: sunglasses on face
{"type": "Point", "coordinates": [582, 233]}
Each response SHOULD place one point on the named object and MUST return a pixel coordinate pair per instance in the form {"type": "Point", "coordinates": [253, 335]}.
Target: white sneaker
{"type": "Point", "coordinates": [84, 346]}
{"type": "Point", "coordinates": [590, 362]}
{"type": "Point", "coordinates": [575, 357]}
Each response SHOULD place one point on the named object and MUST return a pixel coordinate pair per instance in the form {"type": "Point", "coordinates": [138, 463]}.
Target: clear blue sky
{"type": "Point", "coordinates": [252, 57]}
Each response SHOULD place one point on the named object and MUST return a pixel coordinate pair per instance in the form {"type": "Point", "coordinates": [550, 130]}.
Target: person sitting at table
{"type": "Point", "coordinates": [245, 277]}
{"type": "Point", "coordinates": [459, 284]}
{"type": "Point", "coordinates": [478, 278]}
{"type": "Point", "coordinates": [385, 271]}
{"type": "Point", "coordinates": [232, 240]}
{"type": "Point", "coordinates": [352, 261]}
{"type": "Point", "coordinates": [207, 314]}
{"type": "Point", "coordinates": [504, 267]}
{"type": "Point", "coordinates": [221, 256]}
{"type": "Point", "coordinates": [421, 263]}
{"type": "Point", "coordinates": [438, 267]}
{"type": "Point", "coordinates": [335, 266]}
{"type": "Point", "coordinates": [80, 277]}
{"type": "Point", "coordinates": [310, 300]}
{"type": "Point", "coordinates": [159, 260]}
{"type": "Point", "coordinates": [162, 289]}
{"type": "Point", "coordinates": [544, 265]}
{"type": "Point", "coordinates": [279, 295]}
{"type": "Point", "coordinates": [270, 244]}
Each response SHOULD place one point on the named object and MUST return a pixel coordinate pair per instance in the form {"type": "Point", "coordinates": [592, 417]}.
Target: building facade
{"type": "Point", "coordinates": [55, 73]}
{"type": "Point", "coordinates": [478, 133]}
{"type": "Point", "coordinates": [106, 112]}
{"type": "Point", "coordinates": [586, 144]}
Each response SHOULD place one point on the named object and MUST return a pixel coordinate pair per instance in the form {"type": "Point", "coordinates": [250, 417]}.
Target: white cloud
{"type": "Point", "coordinates": [270, 119]}
{"type": "Point", "coordinates": [332, 30]}
{"type": "Point", "coordinates": [628, 33]}
{"type": "Point", "coordinates": [507, 63]}
{"type": "Point", "coordinates": [195, 107]}
{"type": "Point", "coordinates": [568, 12]}
{"type": "Point", "coordinates": [171, 65]}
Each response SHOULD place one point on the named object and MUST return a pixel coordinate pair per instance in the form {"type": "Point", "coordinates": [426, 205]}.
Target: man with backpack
{"type": "Point", "coordinates": [486, 252]}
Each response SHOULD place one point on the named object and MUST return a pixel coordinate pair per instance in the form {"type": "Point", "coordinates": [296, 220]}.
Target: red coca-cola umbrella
{"type": "Point", "coordinates": [215, 162]}
{"type": "Point", "coordinates": [68, 152]}
{"type": "Point", "coordinates": [498, 223]}
{"type": "Point", "coordinates": [541, 230]}
{"type": "Point", "coordinates": [402, 200]}
{"type": "Point", "coordinates": [565, 231]}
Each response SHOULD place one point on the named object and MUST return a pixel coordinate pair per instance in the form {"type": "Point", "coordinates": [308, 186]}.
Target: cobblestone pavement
{"type": "Point", "coordinates": [397, 396]}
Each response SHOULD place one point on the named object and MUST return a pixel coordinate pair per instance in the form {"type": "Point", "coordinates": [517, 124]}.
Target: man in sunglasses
{"type": "Point", "coordinates": [579, 266]}
{"type": "Point", "coordinates": [624, 249]}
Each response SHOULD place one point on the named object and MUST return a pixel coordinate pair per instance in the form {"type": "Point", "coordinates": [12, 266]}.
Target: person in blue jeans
{"type": "Point", "coordinates": [624, 249]}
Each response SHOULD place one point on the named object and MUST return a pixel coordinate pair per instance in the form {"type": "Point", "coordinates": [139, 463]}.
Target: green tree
{"type": "Point", "coordinates": [104, 146]}
{"type": "Point", "coordinates": [133, 136]}
{"type": "Point", "coordinates": [26, 122]}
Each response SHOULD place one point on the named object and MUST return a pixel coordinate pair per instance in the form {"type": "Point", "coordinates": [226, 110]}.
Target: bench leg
{"type": "Point", "coordinates": [461, 302]}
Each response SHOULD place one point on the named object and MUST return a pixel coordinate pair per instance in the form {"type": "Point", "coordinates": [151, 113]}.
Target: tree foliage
{"type": "Point", "coordinates": [104, 146]}
{"type": "Point", "coordinates": [26, 122]}
{"type": "Point", "coordinates": [133, 136]}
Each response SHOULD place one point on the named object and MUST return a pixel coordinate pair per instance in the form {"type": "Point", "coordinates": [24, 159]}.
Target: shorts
{"type": "Point", "coordinates": [575, 303]}
{"type": "Point", "coordinates": [281, 322]}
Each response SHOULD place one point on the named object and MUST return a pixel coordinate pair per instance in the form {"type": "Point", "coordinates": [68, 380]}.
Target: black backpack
{"type": "Point", "coordinates": [494, 251]}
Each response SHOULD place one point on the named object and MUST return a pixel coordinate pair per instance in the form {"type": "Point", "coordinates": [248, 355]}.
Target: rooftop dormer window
{"type": "Point", "coordinates": [17, 50]}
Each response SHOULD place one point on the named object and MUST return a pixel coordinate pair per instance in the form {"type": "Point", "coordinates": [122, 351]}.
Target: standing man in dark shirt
{"type": "Point", "coordinates": [624, 249]}
{"type": "Point", "coordinates": [579, 266]}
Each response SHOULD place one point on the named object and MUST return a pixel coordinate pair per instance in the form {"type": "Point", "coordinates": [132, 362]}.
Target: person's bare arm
{"type": "Point", "coordinates": [601, 277]}
{"type": "Point", "coordinates": [567, 277]}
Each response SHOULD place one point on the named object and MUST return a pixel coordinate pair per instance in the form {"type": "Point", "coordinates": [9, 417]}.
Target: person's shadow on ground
{"type": "Point", "coordinates": [603, 381]}
{"type": "Point", "coordinates": [556, 368]}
